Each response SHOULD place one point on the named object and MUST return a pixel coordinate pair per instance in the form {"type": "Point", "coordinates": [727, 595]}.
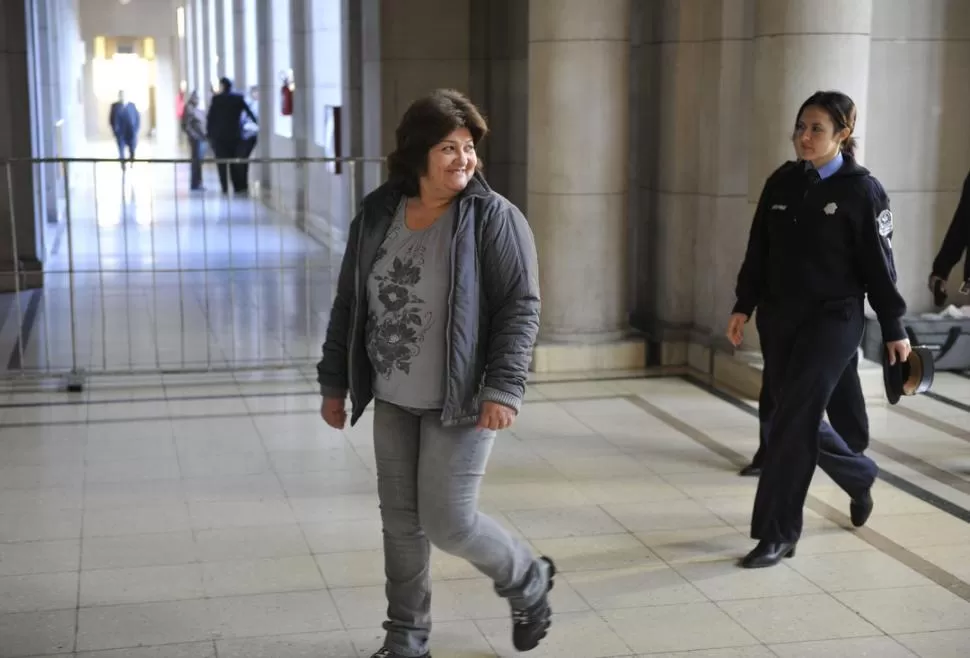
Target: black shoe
{"type": "Point", "coordinates": [768, 554]}
{"type": "Point", "coordinates": [751, 470]}
{"type": "Point", "coordinates": [860, 509]}
{"type": "Point", "coordinates": [387, 653]}
{"type": "Point", "coordinates": [532, 624]}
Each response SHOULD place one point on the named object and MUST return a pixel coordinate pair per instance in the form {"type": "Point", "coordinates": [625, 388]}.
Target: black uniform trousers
{"type": "Point", "coordinates": [227, 149]}
{"type": "Point", "coordinates": [806, 354]}
{"type": "Point", "coordinates": [846, 409]}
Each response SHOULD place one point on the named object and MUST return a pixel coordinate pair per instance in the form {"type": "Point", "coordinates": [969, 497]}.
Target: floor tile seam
{"type": "Point", "coordinates": [270, 413]}
{"type": "Point", "coordinates": [901, 554]}
{"type": "Point", "coordinates": [932, 423]}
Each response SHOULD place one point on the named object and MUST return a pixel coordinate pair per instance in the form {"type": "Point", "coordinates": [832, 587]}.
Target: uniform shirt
{"type": "Point", "coordinates": [957, 239]}
{"type": "Point", "coordinates": [816, 240]}
{"type": "Point", "coordinates": [407, 318]}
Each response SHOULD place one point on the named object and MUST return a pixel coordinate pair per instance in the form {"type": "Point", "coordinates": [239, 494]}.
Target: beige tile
{"type": "Point", "coordinates": [596, 553]}
{"type": "Point", "coordinates": [559, 522]}
{"type": "Point", "coordinates": [525, 496]}
{"type": "Point", "coordinates": [141, 584]}
{"type": "Point", "coordinates": [673, 628]}
{"type": "Point", "coordinates": [337, 644]}
{"type": "Point", "coordinates": [193, 650]}
{"type": "Point", "coordinates": [725, 581]}
{"type": "Point", "coordinates": [863, 570]}
{"type": "Point", "coordinates": [634, 587]}
{"type": "Point", "coordinates": [620, 489]}
{"type": "Point", "coordinates": [344, 536]}
{"type": "Point", "coordinates": [39, 557]}
{"type": "Point", "coordinates": [241, 577]}
{"type": "Point", "coordinates": [38, 592]}
{"type": "Point", "coordinates": [798, 618]}
{"type": "Point", "coordinates": [939, 644]}
{"type": "Point", "coordinates": [863, 647]}
{"type": "Point", "coordinates": [135, 520]}
{"type": "Point", "coordinates": [922, 530]}
{"type": "Point", "coordinates": [911, 609]}
{"type": "Point", "coordinates": [131, 551]}
{"type": "Point", "coordinates": [357, 569]}
{"type": "Point", "coordinates": [250, 543]}
{"type": "Point", "coordinates": [696, 544]}
{"type": "Point", "coordinates": [756, 651]}
{"type": "Point", "coordinates": [664, 515]}
{"type": "Point", "coordinates": [37, 633]}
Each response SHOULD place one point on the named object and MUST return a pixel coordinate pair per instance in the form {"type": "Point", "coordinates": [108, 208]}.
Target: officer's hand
{"type": "Point", "coordinates": [735, 328]}
{"type": "Point", "coordinates": [933, 282]}
{"type": "Point", "coordinates": [898, 351]}
{"type": "Point", "coordinates": [334, 413]}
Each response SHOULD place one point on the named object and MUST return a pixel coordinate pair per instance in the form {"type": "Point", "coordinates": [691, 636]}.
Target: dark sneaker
{"type": "Point", "coordinates": [387, 653]}
{"type": "Point", "coordinates": [530, 625]}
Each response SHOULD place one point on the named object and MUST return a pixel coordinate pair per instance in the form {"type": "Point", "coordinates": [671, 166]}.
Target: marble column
{"type": "Point", "coordinates": [17, 190]}
{"type": "Point", "coordinates": [799, 48]}
{"type": "Point", "coordinates": [578, 159]}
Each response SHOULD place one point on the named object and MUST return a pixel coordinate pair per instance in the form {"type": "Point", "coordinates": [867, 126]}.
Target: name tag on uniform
{"type": "Point", "coordinates": [885, 223]}
{"type": "Point", "coordinates": [778, 206]}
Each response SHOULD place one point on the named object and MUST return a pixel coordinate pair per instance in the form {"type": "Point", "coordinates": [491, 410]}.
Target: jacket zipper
{"type": "Point", "coordinates": [451, 296]}
{"type": "Point", "coordinates": [353, 326]}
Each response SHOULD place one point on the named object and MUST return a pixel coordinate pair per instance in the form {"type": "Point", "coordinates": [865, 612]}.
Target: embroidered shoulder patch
{"type": "Point", "coordinates": [885, 223]}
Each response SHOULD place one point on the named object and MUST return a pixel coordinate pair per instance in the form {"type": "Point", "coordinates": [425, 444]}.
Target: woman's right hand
{"type": "Point", "coordinates": [735, 328]}
{"type": "Point", "coordinates": [334, 412]}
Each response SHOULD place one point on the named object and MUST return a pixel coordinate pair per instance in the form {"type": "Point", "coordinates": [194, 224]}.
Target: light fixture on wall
{"type": "Point", "coordinates": [124, 2]}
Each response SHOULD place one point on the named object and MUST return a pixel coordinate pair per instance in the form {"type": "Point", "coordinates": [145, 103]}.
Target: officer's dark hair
{"type": "Point", "coordinates": [841, 109]}
{"type": "Point", "coordinates": [428, 121]}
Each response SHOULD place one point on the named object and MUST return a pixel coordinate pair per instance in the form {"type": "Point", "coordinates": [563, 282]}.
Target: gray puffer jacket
{"type": "Point", "coordinates": [494, 304]}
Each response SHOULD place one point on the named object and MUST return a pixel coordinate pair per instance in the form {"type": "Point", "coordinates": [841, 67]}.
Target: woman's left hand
{"type": "Point", "coordinates": [898, 351]}
{"type": "Point", "coordinates": [495, 416]}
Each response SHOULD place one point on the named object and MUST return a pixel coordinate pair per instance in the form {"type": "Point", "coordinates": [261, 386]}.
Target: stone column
{"type": "Point", "coordinates": [578, 159]}
{"type": "Point", "coordinates": [799, 48]}
{"type": "Point", "coordinates": [17, 212]}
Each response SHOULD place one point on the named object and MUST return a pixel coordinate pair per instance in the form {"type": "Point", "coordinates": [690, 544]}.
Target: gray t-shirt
{"type": "Point", "coordinates": [407, 316]}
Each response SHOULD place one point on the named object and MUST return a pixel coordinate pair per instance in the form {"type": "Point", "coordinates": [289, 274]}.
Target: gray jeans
{"type": "Point", "coordinates": [428, 478]}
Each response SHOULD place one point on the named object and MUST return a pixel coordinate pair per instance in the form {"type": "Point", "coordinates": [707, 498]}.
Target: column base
{"type": "Point", "coordinates": [625, 354]}
{"type": "Point", "coordinates": [31, 275]}
{"type": "Point", "coordinates": [741, 372]}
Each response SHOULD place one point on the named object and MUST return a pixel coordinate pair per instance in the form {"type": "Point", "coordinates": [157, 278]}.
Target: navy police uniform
{"type": "Point", "coordinates": [846, 409]}
{"type": "Point", "coordinates": [815, 250]}
{"type": "Point", "coordinates": [957, 239]}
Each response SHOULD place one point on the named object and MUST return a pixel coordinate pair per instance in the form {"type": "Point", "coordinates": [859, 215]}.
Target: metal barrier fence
{"type": "Point", "coordinates": [142, 275]}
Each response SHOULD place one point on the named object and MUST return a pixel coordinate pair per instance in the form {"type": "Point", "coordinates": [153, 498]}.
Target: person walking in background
{"type": "Point", "coordinates": [193, 125]}
{"type": "Point", "coordinates": [224, 128]}
{"type": "Point", "coordinates": [250, 133]}
{"type": "Point", "coordinates": [956, 242]}
{"type": "Point", "coordinates": [125, 122]}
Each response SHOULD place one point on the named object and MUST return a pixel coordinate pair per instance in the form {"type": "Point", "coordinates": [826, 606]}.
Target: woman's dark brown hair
{"type": "Point", "coordinates": [428, 121]}
{"type": "Point", "coordinates": [841, 109]}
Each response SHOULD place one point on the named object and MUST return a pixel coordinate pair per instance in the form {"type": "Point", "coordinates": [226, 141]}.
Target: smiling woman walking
{"type": "Point", "coordinates": [436, 315]}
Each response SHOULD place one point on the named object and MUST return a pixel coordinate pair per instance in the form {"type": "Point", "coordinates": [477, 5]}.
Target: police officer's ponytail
{"type": "Point", "coordinates": [841, 109]}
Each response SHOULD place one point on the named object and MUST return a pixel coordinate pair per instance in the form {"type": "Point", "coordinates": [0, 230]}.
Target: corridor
{"type": "Point", "coordinates": [151, 276]}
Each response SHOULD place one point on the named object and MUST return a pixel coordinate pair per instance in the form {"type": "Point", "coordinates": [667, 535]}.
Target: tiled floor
{"type": "Point", "coordinates": [201, 518]}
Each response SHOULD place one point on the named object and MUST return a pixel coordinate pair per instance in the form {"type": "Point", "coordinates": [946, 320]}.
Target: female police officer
{"type": "Point", "coordinates": [816, 248]}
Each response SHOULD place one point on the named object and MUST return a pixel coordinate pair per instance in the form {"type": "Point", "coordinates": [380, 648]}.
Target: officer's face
{"type": "Point", "coordinates": [815, 138]}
